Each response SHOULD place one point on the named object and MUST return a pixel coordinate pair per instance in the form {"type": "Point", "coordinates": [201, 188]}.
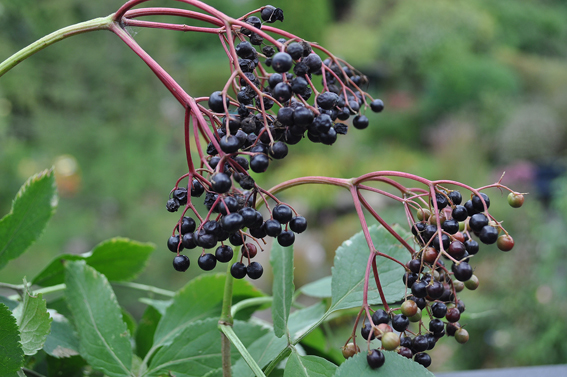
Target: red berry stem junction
{"type": "Point", "coordinates": [250, 122]}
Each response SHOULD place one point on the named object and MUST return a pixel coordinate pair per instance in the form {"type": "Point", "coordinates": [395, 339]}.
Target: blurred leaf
{"type": "Point", "coordinates": [319, 288]}
{"type": "Point", "coordinates": [201, 298]}
{"type": "Point", "coordinates": [62, 341]}
{"type": "Point", "coordinates": [119, 259]}
{"type": "Point", "coordinates": [281, 259]}
{"type": "Point", "coordinates": [308, 366]}
{"type": "Point", "coordinates": [68, 367]}
{"type": "Point", "coordinates": [9, 303]}
{"type": "Point", "coordinates": [394, 366]}
{"type": "Point", "coordinates": [146, 329]}
{"type": "Point", "coordinates": [317, 343]}
{"type": "Point", "coordinates": [32, 208]}
{"type": "Point", "coordinates": [11, 353]}
{"type": "Point", "coordinates": [33, 321]}
{"type": "Point", "coordinates": [159, 305]}
{"type": "Point", "coordinates": [350, 266]}
{"type": "Point", "coordinates": [129, 321]}
{"type": "Point", "coordinates": [103, 335]}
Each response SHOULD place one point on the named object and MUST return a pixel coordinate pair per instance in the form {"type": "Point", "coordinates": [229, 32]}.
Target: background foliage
{"type": "Point", "coordinates": [472, 89]}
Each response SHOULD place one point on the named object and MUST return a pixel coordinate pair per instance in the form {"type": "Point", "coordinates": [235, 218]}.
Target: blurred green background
{"type": "Point", "coordinates": [472, 89]}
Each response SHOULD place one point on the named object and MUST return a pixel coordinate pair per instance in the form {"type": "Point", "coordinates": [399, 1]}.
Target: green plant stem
{"type": "Point", "coordinates": [140, 287]}
{"type": "Point", "coordinates": [226, 316]}
{"type": "Point", "coordinates": [144, 287]}
{"type": "Point", "coordinates": [101, 23]}
{"type": "Point", "coordinates": [231, 335]}
{"type": "Point", "coordinates": [250, 302]}
{"type": "Point", "coordinates": [18, 288]}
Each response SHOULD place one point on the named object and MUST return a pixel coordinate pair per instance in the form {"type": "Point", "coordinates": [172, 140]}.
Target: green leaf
{"type": "Point", "coordinates": [195, 352]}
{"type": "Point", "coordinates": [281, 259]}
{"type": "Point", "coordinates": [119, 259]}
{"type": "Point", "coordinates": [9, 303]}
{"type": "Point", "coordinates": [129, 321]}
{"type": "Point", "coordinates": [33, 321]}
{"type": "Point", "coordinates": [350, 266]}
{"type": "Point", "coordinates": [201, 298]}
{"type": "Point", "coordinates": [68, 366]}
{"type": "Point", "coordinates": [32, 208]}
{"type": "Point", "coordinates": [308, 366]}
{"type": "Point", "coordinates": [159, 305]}
{"type": "Point", "coordinates": [146, 329]}
{"type": "Point", "coordinates": [316, 343]}
{"type": "Point", "coordinates": [103, 336]}
{"type": "Point", "coordinates": [394, 366]}
{"type": "Point", "coordinates": [248, 333]}
{"type": "Point", "coordinates": [302, 320]}
{"type": "Point", "coordinates": [62, 341]}
{"type": "Point", "coordinates": [319, 288]}
{"type": "Point", "coordinates": [263, 350]}
{"type": "Point", "coordinates": [11, 353]}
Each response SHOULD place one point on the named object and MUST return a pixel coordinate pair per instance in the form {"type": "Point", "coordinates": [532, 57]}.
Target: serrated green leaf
{"type": "Point", "coordinates": [9, 303]}
{"type": "Point", "coordinates": [308, 366]}
{"type": "Point", "coordinates": [319, 288]}
{"type": "Point", "coordinates": [201, 298]}
{"type": "Point", "coordinates": [33, 322]}
{"type": "Point", "coordinates": [119, 259]}
{"type": "Point", "coordinates": [146, 329]}
{"type": "Point", "coordinates": [263, 350]}
{"type": "Point", "coordinates": [11, 353]}
{"type": "Point", "coordinates": [394, 366]}
{"type": "Point", "coordinates": [350, 266]}
{"type": "Point", "coordinates": [103, 336]}
{"type": "Point", "coordinates": [281, 259]}
{"type": "Point", "coordinates": [32, 208]}
{"type": "Point", "coordinates": [62, 341]}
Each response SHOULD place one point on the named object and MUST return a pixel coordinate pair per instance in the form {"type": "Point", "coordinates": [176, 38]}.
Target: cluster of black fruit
{"type": "Point", "coordinates": [251, 135]}
{"type": "Point", "coordinates": [433, 287]}
{"type": "Point", "coordinates": [236, 213]}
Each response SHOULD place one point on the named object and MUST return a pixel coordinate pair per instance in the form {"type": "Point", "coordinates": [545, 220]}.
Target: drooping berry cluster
{"type": "Point", "coordinates": [246, 133]}
{"type": "Point", "coordinates": [444, 231]}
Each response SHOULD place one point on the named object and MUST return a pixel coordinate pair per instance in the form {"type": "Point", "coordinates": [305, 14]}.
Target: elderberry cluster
{"type": "Point", "coordinates": [247, 134]}
{"type": "Point", "coordinates": [433, 287]}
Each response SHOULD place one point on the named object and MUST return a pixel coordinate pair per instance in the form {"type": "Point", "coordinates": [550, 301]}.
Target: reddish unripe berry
{"type": "Point", "coordinates": [459, 236]}
{"type": "Point", "coordinates": [409, 308]}
{"type": "Point", "coordinates": [249, 250]}
{"type": "Point", "coordinates": [382, 329]}
{"type": "Point", "coordinates": [515, 199]}
{"type": "Point", "coordinates": [406, 352]}
{"type": "Point", "coordinates": [453, 315]}
{"type": "Point", "coordinates": [390, 341]}
{"type": "Point", "coordinates": [505, 242]}
{"type": "Point", "coordinates": [461, 335]}
{"type": "Point", "coordinates": [430, 255]}
{"type": "Point", "coordinates": [350, 350]}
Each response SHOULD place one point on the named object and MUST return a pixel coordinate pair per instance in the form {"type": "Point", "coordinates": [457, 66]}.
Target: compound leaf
{"type": "Point", "coordinates": [32, 208]}
{"type": "Point", "coordinates": [103, 336]}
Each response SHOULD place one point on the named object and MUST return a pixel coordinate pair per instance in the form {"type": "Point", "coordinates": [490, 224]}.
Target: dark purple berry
{"type": "Point", "coordinates": [360, 122]}
{"type": "Point", "coordinates": [366, 331]}
{"type": "Point", "coordinates": [456, 197]}
{"type": "Point", "coordinates": [278, 150]}
{"type": "Point", "coordinates": [463, 271]}
{"type": "Point", "coordinates": [181, 195]}
{"type": "Point", "coordinates": [488, 235]}
{"type": "Point", "coordinates": [216, 103]}
{"type": "Point", "coordinates": [173, 244]}
{"type": "Point", "coordinates": [259, 163]}
{"type": "Point", "coordinates": [282, 62]}
{"type": "Point", "coordinates": [254, 270]}
{"type": "Point", "coordinates": [298, 224]}
{"type": "Point", "coordinates": [375, 359]}
{"type": "Point", "coordinates": [224, 254]}
{"type": "Point", "coordinates": [273, 228]}
{"type": "Point", "coordinates": [419, 289]}
{"type": "Point", "coordinates": [172, 205]}
{"type": "Point", "coordinates": [377, 105]}
{"type": "Point", "coordinates": [189, 241]}
{"type": "Point", "coordinates": [286, 238]}
{"type": "Point", "coordinates": [460, 213]}
{"type": "Point", "coordinates": [400, 322]}
{"type": "Point", "coordinates": [478, 221]}
{"type": "Point", "coordinates": [282, 213]}
{"type": "Point", "coordinates": [197, 189]}
{"type": "Point", "coordinates": [380, 316]}
{"type": "Point", "coordinates": [420, 343]}
{"type": "Point", "coordinates": [271, 14]}
{"type": "Point", "coordinates": [220, 182]}
{"type": "Point", "coordinates": [477, 203]}
{"type": "Point", "coordinates": [436, 325]}
{"type": "Point", "coordinates": [232, 222]}
{"type": "Point", "coordinates": [238, 270]}
{"type": "Point", "coordinates": [188, 225]}
{"type": "Point", "coordinates": [423, 359]}
{"type": "Point", "coordinates": [207, 262]}
{"type": "Point", "coordinates": [181, 263]}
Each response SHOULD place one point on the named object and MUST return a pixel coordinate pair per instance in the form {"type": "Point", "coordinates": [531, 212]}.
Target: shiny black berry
{"type": "Point", "coordinates": [400, 322]}
{"type": "Point", "coordinates": [488, 235]}
{"type": "Point", "coordinates": [278, 150]}
{"type": "Point", "coordinates": [478, 221]}
{"type": "Point", "coordinates": [173, 244]}
{"type": "Point", "coordinates": [232, 222]}
{"type": "Point", "coordinates": [189, 241]}
{"type": "Point", "coordinates": [273, 228]}
{"type": "Point", "coordinates": [460, 213]}
{"type": "Point", "coordinates": [419, 289]}
{"type": "Point", "coordinates": [254, 270]}
{"type": "Point", "coordinates": [450, 226]}
{"type": "Point", "coordinates": [282, 62]}
{"type": "Point", "coordinates": [298, 224]}
{"type": "Point", "coordinates": [172, 205]}
{"type": "Point", "coordinates": [377, 105]}
{"type": "Point", "coordinates": [181, 263]}
{"type": "Point", "coordinates": [375, 359]}
{"type": "Point", "coordinates": [216, 103]}
{"type": "Point", "coordinates": [456, 197]}
{"type": "Point", "coordinates": [441, 200]}
{"type": "Point", "coordinates": [188, 225]}
{"type": "Point", "coordinates": [463, 271]}
{"type": "Point", "coordinates": [207, 262]}
{"type": "Point", "coordinates": [220, 182]}
{"type": "Point", "coordinates": [420, 343]}
{"type": "Point", "coordinates": [436, 325]}
{"type": "Point", "coordinates": [380, 316]}
{"type": "Point", "coordinates": [360, 122]}
{"type": "Point", "coordinates": [181, 195]}
{"type": "Point", "coordinates": [238, 270]}
{"type": "Point", "coordinates": [366, 331]}
{"type": "Point", "coordinates": [472, 247]}
{"type": "Point", "coordinates": [282, 213]}
{"type": "Point", "coordinates": [224, 254]}
{"type": "Point", "coordinates": [286, 238]}
{"type": "Point", "coordinates": [197, 189]}
{"type": "Point", "coordinates": [271, 14]}
{"type": "Point", "coordinates": [477, 203]}
{"type": "Point", "coordinates": [259, 163]}
{"type": "Point", "coordinates": [423, 359]}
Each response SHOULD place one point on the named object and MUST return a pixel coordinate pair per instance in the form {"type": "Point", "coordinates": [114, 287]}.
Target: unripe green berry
{"type": "Point", "coordinates": [416, 317]}
{"type": "Point", "coordinates": [409, 308]}
{"type": "Point", "coordinates": [472, 283]}
{"type": "Point", "coordinates": [461, 335]}
{"type": "Point", "coordinates": [515, 199]}
{"type": "Point", "coordinates": [390, 341]}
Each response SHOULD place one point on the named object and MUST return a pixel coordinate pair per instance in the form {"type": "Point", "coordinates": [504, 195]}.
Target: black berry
{"type": "Point", "coordinates": [224, 254]}
{"type": "Point", "coordinates": [207, 262]}
{"type": "Point", "coordinates": [181, 263]}
{"type": "Point", "coordinates": [254, 270]}
{"type": "Point", "coordinates": [238, 270]}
